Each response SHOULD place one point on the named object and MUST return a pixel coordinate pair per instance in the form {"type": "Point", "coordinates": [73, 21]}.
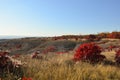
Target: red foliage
{"type": "Point", "coordinates": [103, 35]}
{"type": "Point", "coordinates": [49, 49]}
{"type": "Point", "coordinates": [3, 60]}
{"type": "Point", "coordinates": [16, 56]}
{"type": "Point", "coordinates": [90, 37]}
{"type": "Point", "coordinates": [8, 65]}
{"type": "Point", "coordinates": [25, 78]}
{"type": "Point", "coordinates": [88, 52]}
{"type": "Point", "coordinates": [36, 56]}
{"type": "Point", "coordinates": [110, 48]}
{"type": "Point", "coordinates": [3, 54]}
{"type": "Point", "coordinates": [117, 57]}
{"type": "Point", "coordinates": [114, 35]}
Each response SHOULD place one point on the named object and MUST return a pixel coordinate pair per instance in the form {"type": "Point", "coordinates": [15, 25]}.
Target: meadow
{"type": "Point", "coordinates": [61, 67]}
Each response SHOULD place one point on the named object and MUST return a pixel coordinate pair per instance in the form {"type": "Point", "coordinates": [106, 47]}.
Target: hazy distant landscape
{"type": "Point", "coordinates": [10, 37]}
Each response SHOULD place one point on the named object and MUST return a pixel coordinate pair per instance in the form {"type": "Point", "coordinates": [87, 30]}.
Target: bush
{"type": "Point", "coordinates": [8, 67]}
{"type": "Point", "coordinates": [117, 57]}
{"type": "Point", "coordinates": [90, 37]}
{"type": "Point", "coordinates": [89, 52]}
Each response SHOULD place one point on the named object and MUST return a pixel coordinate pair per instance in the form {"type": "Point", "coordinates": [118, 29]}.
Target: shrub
{"type": "Point", "coordinates": [49, 49]}
{"type": "Point", "coordinates": [114, 35]}
{"type": "Point", "coordinates": [8, 66]}
{"type": "Point", "coordinates": [117, 57]}
{"type": "Point", "coordinates": [88, 52]}
{"type": "Point", "coordinates": [25, 78]}
{"type": "Point", "coordinates": [90, 37]}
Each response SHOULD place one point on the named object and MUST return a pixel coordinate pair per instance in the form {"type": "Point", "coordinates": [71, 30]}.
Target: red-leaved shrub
{"type": "Point", "coordinates": [25, 78]}
{"type": "Point", "coordinates": [9, 65]}
{"type": "Point", "coordinates": [91, 37]}
{"type": "Point", "coordinates": [117, 57]}
{"type": "Point", "coordinates": [88, 52]}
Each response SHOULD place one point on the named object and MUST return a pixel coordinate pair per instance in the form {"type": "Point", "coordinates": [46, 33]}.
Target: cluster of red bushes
{"type": "Point", "coordinates": [91, 37]}
{"type": "Point", "coordinates": [66, 37]}
{"type": "Point", "coordinates": [89, 52]}
{"type": "Point", "coordinates": [114, 35]}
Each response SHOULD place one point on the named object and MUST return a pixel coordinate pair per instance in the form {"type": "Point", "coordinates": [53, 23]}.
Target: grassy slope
{"type": "Point", "coordinates": [32, 44]}
{"type": "Point", "coordinates": [61, 67]}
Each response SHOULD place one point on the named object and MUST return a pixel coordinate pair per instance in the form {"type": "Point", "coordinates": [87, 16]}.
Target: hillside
{"type": "Point", "coordinates": [57, 58]}
{"type": "Point", "coordinates": [29, 45]}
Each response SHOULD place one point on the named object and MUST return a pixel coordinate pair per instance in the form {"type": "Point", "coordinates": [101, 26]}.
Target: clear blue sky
{"type": "Point", "coordinates": [58, 17]}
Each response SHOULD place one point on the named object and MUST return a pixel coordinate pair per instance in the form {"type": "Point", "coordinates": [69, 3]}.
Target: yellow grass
{"type": "Point", "coordinates": [61, 67]}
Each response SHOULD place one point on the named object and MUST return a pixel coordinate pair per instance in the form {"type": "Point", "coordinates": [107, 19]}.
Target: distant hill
{"type": "Point", "coordinates": [10, 37]}
{"type": "Point", "coordinates": [24, 45]}
{"type": "Point", "coordinates": [29, 45]}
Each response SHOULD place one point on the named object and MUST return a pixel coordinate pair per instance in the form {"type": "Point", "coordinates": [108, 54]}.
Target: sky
{"type": "Point", "coordinates": [58, 17]}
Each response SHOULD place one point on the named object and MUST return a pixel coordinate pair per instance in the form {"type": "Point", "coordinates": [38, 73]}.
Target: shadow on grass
{"type": "Point", "coordinates": [110, 63]}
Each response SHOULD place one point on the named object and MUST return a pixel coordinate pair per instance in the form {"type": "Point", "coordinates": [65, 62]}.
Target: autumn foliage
{"type": "Point", "coordinates": [114, 35]}
{"type": "Point", "coordinates": [88, 52]}
{"type": "Point", "coordinates": [117, 57]}
{"type": "Point", "coordinates": [91, 37]}
{"type": "Point", "coordinates": [25, 78]}
{"type": "Point", "coordinates": [8, 65]}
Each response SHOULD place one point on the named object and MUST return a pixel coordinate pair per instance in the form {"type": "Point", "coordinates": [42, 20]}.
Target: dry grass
{"type": "Point", "coordinates": [61, 67]}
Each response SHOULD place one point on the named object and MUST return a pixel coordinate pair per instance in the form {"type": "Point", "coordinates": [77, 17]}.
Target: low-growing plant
{"type": "Point", "coordinates": [90, 37]}
{"type": "Point", "coordinates": [89, 52]}
{"type": "Point", "coordinates": [9, 67]}
{"type": "Point", "coordinates": [25, 78]}
{"type": "Point", "coordinates": [117, 57]}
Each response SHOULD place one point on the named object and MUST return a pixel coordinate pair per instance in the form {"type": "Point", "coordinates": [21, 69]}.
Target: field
{"type": "Point", "coordinates": [60, 66]}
